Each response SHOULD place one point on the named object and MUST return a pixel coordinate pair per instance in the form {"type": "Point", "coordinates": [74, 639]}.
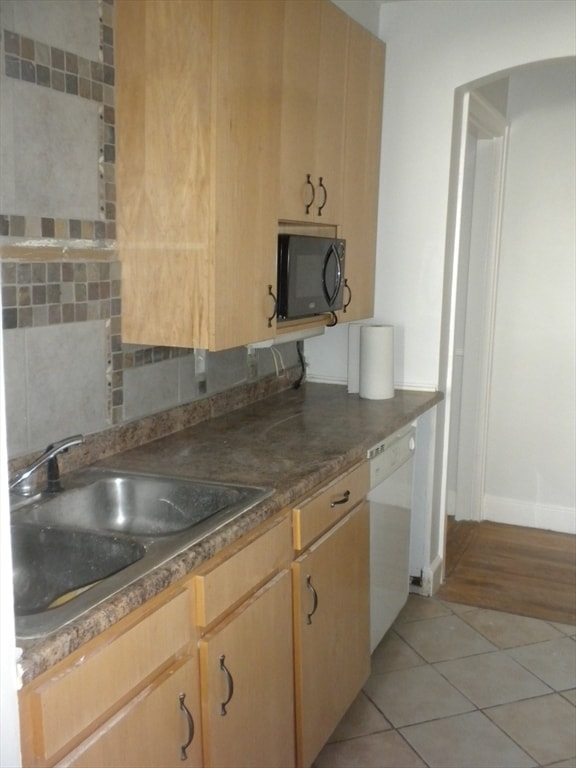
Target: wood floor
{"type": "Point", "coordinates": [524, 571]}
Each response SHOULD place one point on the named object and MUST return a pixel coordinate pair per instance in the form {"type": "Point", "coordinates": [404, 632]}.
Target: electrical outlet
{"type": "Point", "coordinates": [252, 363]}
{"type": "Point", "coordinates": [199, 361]}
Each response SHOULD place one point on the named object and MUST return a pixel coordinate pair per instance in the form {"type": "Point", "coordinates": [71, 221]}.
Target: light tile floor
{"type": "Point", "coordinates": [454, 686]}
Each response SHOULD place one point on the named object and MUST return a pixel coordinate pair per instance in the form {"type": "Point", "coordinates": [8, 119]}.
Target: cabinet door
{"type": "Point", "coordinates": [164, 177]}
{"type": "Point", "coordinates": [153, 730]}
{"type": "Point", "coordinates": [198, 154]}
{"type": "Point", "coordinates": [247, 683]}
{"type": "Point", "coordinates": [362, 168]}
{"type": "Point", "coordinates": [330, 112]}
{"type": "Point", "coordinates": [313, 93]}
{"type": "Point", "coordinates": [247, 98]}
{"type": "Point", "coordinates": [331, 630]}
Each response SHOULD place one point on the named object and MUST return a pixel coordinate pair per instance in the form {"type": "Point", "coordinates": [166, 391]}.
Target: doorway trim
{"type": "Point", "coordinates": [474, 118]}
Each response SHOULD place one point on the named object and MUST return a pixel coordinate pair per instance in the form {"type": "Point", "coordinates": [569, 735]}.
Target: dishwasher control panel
{"type": "Point", "coordinates": [389, 454]}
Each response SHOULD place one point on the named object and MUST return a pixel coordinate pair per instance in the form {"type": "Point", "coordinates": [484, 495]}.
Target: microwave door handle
{"type": "Point", "coordinates": [331, 296]}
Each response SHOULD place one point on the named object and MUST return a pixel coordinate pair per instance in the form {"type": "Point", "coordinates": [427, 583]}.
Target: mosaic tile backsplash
{"type": "Point", "coordinates": [61, 279]}
{"type": "Point", "coordinates": [39, 64]}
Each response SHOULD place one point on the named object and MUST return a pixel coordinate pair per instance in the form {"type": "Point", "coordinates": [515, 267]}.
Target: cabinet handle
{"type": "Point", "coordinates": [230, 681]}
{"type": "Point", "coordinates": [347, 288]}
{"type": "Point", "coordinates": [190, 722]}
{"type": "Point", "coordinates": [273, 315]}
{"type": "Point", "coordinates": [314, 599]}
{"type": "Point", "coordinates": [309, 183]}
{"type": "Point", "coordinates": [343, 500]}
{"type": "Point", "coordinates": [323, 188]}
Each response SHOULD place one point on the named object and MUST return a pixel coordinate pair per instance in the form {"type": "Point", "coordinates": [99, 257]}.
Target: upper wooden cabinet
{"type": "Point", "coordinates": [198, 148]}
{"type": "Point", "coordinates": [313, 105]}
{"type": "Point", "coordinates": [364, 94]}
{"type": "Point", "coordinates": [233, 115]}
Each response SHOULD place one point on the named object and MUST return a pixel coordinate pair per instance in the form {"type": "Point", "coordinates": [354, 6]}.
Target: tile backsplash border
{"type": "Point", "coordinates": [52, 290]}
{"type": "Point", "coordinates": [45, 66]}
{"type": "Point", "coordinates": [81, 279]}
{"type": "Point", "coordinates": [49, 293]}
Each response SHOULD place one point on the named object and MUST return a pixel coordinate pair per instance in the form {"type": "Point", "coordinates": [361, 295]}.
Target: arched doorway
{"type": "Point", "coordinates": [508, 447]}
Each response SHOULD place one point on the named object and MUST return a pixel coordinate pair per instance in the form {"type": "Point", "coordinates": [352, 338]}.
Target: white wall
{"type": "Point", "coordinates": [531, 444]}
{"type": "Point", "coordinates": [365, 12]}
{"type": "Point", "coordinates": [433, 47]}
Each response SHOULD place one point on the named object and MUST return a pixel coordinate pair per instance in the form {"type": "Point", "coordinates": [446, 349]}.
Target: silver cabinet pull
{"type": "Point", "coordinates": [309, 184]}
{"type": "Point", "coordinates": [323, 188]}
{"type": "Point", "coordinates": [230, 681]}
{"type": "Point", "coordinates": [347, 287]}
{"type": "Point", "coordinates": [344, 498]}
{"type": "Point", "coordinates": [190, 722]}
{"type": "Point", "coordinates": [310, 587]}
{"type": "Point", "coordinates": [275, 312]}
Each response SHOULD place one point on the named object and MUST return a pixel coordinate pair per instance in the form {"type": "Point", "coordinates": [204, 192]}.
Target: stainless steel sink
{"type": "Point", "coordinates": [76, 548]}
{"type": "Point", "coordinates": [141, 505]}
{"type": "Point", "coordinates": [52, 563]}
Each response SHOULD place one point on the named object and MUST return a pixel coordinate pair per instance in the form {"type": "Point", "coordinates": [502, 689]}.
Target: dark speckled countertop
{"type": "Point", "coordinates": [291, 442]}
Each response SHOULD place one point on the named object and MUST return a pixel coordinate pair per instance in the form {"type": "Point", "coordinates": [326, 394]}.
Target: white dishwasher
{"type": "Point", "coordinates": [390, 498]}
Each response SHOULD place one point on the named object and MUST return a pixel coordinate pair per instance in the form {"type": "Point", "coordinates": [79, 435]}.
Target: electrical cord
{"type": "Point", "coordinates": [300, 350]}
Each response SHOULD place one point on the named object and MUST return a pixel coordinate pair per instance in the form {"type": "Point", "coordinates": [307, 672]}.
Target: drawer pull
{"type": "Point", "coordinates": [343, 500]}
{"type": "Point", "coordinates": [314, 600]}
{"type": "Point", "coordinates": [230, 681]}
{"type": "Point", "coordinates": [190, 722]}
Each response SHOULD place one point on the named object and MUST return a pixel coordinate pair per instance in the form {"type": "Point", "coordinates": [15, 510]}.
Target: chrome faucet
{"type": "Point", "coordinates": [49, 457]}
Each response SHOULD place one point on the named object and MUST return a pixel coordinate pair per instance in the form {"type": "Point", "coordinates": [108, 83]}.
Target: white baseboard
{"type": "Point", "coordinates": [432, 575]}
{"type": "Point", "coordinates": [317, 379]}
{"type": "Point", "coordinates": [548, 517]}
{"type": "Point", "coordinates": [431, 578]}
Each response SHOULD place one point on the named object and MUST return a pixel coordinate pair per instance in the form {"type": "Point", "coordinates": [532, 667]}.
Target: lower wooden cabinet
{"type": "Point", "coordinates": [86, 703]}
{"type": "Point", "coordinates": [159, 727]}
{"type": "Point", "coordinates": [246, 668]}
{"type": "Point", "coordinates": [331, 630]}
{"type": "Point", "coordinates": [248, 662]}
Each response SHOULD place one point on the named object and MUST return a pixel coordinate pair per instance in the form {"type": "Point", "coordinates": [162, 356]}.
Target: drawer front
{"type": "Point", "coordinates": [74, 698]}
{"type": "Point", "coordinates": [244, 567]}
{"type": "Point", "coordinates": [317, 513]}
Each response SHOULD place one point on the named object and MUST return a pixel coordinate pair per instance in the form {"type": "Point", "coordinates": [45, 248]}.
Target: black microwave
{"type": "Point", "coordinates": [310, 275]}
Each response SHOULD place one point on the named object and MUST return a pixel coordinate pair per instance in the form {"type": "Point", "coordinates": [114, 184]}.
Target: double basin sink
{"type": "Point", "coordinates": [73, 549]}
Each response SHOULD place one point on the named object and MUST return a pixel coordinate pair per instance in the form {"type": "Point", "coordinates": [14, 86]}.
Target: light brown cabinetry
{"type": "Point", "coordinates": [247, 682]}
{"type": "Point", "coordinates": [89, 709]}
{"type": "Point", "coordinates": [251, 660]}
{"type": "Point", "coordinates": [364, 94]}
{"type": "Point", "coordinates": [313, 102]}
{"type": "Point", "coordinates": [331, 610]}
{"type": "Point", "coordinates": [155, 729]}
{"type": "Point", "coordinates": [244, 607]}
{"type": "Point", "coordinates": [198, 146]}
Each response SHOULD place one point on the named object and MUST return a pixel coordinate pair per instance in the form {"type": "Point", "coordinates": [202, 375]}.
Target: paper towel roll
{"type": "Point", "coordinates": [377, 362]}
